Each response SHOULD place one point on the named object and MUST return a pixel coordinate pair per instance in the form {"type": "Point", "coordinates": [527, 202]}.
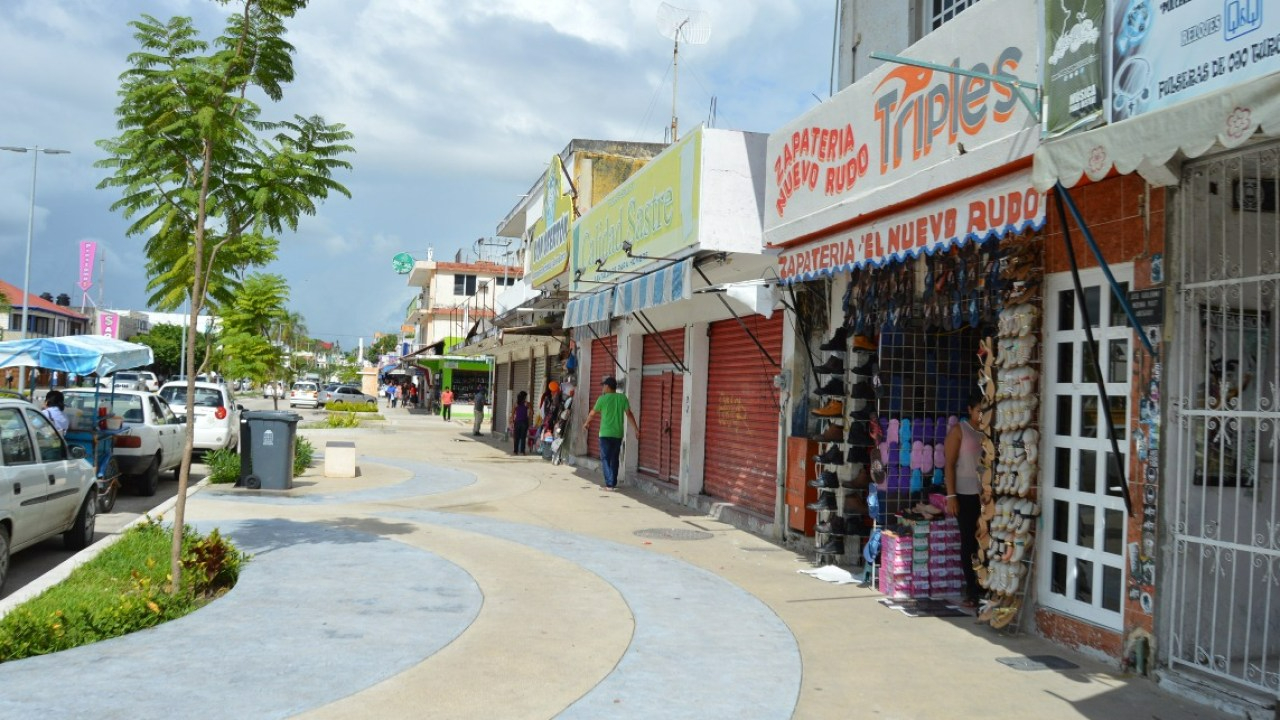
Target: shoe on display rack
{"type": "Point", "coordinates": [863, 342]}
{"type": "Point", "coordinates": [825, 480]}
{"type": "Point", "coordinates": [866, 369]}
{"type": "Point", "coordinates": [834, 386]}
{"type": "Point", "coordinates": [858, 435]}
{"type": "Point", "coordinates": [825, 501]}
{"type": "Point", "coordinates": [833, 408]}
{"type": "Point", "coordinates": [833, 366]}
{"type": "Point", "coordinates": [834, 526]}
{"type": "Point", "coordinates": [862, 391]}
{"type": "Point", "coordinates": [833, 456]}
{"type": "Point", "coordinates": [838, 341]}
{"type": "Point", "coordinates": [833, 433]}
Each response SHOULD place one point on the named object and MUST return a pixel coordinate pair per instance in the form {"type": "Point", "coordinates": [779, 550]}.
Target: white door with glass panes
{"type": "Point", "coordinates": [1082, 539]}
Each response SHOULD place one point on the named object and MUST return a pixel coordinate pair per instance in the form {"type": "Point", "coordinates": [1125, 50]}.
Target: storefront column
{"type": "Point", "coordinates": [693, 411]}
{"type": "Point", "coordinates": [631, 353]}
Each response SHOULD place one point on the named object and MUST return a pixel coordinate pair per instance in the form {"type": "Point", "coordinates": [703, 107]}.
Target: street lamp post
{"type": "Point", "coordinates": [31, 227]}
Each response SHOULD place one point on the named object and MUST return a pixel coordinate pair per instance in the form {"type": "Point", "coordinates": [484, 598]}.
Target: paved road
{"type": "Point", "coordinates": [453, 580]}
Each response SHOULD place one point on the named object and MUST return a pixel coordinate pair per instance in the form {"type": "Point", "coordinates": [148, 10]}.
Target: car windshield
{"type": "Point", "coordinates": [128, 407]}
{"type": "Point", "coordinates": [125, 376]}
{"type": "Point", "coordinates": [205, 397]}
{"type": "Point", "coordinates": [304, 387]}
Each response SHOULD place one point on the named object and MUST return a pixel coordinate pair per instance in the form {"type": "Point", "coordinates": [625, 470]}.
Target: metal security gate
{"type": "Point", "coordinates": [742, 413]}
{"type": "Point", "coordinates": [661, 400]}
{"type": "Point", "coordinates": [603, 351]}
{"type": "Point", "coordinates": [501, 397]}
{"type": "Point", "coordinates": [1224, 407]}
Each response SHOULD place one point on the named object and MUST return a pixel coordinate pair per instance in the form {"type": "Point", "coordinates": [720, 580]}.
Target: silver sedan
{"type": "Point", "coordinates": [347, 394]}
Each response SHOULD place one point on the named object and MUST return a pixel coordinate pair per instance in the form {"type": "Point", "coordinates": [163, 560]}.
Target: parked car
{"type": "Point", "coordinates": [325, 390]}
{"type": "Point", "coordinates": [124, 381]}
{"type": "Point", "coordinates": [273, 389]}
{"type": "Point", "coordinates": [217, 424]}
{"type": "Point", "coordinates": [150, 381]}
{"type": "Point", "coordinates": [46, 487]}
{"type": "Point", "coordinates": [304, 393]}
{"type": "Point", "coordinates": [151, 439]}
{"type": "Point", "coordinates": [348, 394]}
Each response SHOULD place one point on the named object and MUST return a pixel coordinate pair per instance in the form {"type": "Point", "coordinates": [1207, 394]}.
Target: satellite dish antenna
{"type": "Point", "coordinates": [402, 263]}
{"type": "Point", "coordinates": [677, 24]}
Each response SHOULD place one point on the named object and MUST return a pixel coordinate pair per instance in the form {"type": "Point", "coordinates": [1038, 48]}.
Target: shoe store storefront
{"type": "Point", "coordinates": [911, 249]}
{"type": "Point", "coordinates": [1188, 550]}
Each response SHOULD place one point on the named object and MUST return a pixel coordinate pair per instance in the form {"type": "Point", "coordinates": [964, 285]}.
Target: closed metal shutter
{"type": "Point", "coordinates": [539, 384]}
{"type": "Point", "coordinates": [603, 351]}
{"type": "Point", "coordinates": [661, 398]}
{"type": "Point", "coordinates": [742, 414]}
{"type": "Point", "coordinates": [521, 378]}
{"type": "Point", "coordinates": [501, 397]}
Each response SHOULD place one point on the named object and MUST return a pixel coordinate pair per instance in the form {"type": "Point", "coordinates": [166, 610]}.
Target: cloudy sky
{"type": "Point", "coordinates": [455, 106]}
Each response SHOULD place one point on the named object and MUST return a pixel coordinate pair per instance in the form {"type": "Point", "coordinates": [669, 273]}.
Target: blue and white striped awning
{"type": "Point", "coordinates": [589, 309]}
{"type": "Point", "coordinates": [652, 289]}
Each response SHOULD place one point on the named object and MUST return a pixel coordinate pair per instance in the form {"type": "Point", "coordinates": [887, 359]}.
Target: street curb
{"type": "Point", "coordinates": [61, 571]}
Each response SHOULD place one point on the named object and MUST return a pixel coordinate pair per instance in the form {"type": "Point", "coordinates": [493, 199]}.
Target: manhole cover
{"type": "Point", "coordinates": [673, 534]}
{"type": "Point", "coordinates": [1038, 662]}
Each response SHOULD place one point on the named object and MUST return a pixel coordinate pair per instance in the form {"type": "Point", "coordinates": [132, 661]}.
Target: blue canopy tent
{"type": "Point", "coordinates": [79, 354]}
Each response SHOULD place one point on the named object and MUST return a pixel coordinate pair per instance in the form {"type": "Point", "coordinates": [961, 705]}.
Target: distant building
{"type": "Point", "coordinates": [45, 318]}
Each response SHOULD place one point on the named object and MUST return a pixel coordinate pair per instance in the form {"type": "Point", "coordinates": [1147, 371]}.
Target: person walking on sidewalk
{"type": "Point", "coordinates": [482, 397]}
{"type": "Point", "coordinates": [612, 406]}
{"type": "Point", "coordinates": [446, 404]}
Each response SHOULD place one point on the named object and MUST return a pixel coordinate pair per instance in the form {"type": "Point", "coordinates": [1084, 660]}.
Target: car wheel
{"type": "Point", "coordinates": [148, 482]}
{"type": "Point", "coordinates": [80, 536]}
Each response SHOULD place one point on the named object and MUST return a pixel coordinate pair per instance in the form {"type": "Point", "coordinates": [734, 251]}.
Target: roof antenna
{"type": "Point", "coordinates": [676, 24]}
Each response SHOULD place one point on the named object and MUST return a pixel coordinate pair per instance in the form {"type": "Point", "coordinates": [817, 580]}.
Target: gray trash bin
{"type": "Point", "coordinates": [267, 441]}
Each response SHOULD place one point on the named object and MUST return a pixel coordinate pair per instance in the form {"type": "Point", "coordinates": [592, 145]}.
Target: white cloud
{"type": "Point", "coordinates": [455, 106]}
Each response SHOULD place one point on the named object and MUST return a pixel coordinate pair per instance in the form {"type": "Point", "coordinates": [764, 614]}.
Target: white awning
{"type": "Point", "coordinates": [652, 289]}
{"type": "Point", "coordinates": [1148, 143]}
{"type": "Point", "coordinates": [589, 309]}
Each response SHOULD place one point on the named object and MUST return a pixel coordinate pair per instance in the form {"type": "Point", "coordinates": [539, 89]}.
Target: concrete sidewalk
{"type": "Point", "coordinates": [453, 580]}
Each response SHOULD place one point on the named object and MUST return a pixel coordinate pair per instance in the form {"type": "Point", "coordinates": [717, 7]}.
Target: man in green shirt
{"type": "Point", "coordinates": [612, 406]}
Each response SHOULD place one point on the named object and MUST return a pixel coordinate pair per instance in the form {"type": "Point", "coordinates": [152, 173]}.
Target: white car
{"type": "Point", "coordinates": [150, 381]}
{"type": "Point", "coordinates": [46, 487]}
{"type": "Point", "coordinates": [305, 393]}
{"type": "Point", "coordinates": [124, 381]}
{"type": "Point", "coordinates": [217, 415]}
{"type": "Point", "coordinates": [151, 436]}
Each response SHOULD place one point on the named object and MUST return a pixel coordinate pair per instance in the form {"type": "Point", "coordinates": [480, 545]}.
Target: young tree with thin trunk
{"type": "Point", "coordinates": [203, 176]}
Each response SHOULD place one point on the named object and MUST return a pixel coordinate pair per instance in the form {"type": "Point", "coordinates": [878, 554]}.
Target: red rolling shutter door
{"type": "Point", "coordinates": [661, 395]}
{"type": "Point", "coordinates": [742, 414]}
{"type": "Point", "coordinates": [603, 351]}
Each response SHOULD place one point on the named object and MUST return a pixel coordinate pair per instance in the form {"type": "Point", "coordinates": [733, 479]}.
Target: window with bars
{"type": "Point", "coordinates": [938, 12]}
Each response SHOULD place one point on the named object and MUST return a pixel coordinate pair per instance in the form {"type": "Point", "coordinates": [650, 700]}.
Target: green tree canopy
{"type": "Point", "coordinates": [202, 175]}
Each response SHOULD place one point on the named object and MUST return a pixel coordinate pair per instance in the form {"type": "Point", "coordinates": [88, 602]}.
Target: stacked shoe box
{"type": "Point", "coordinates": [920, 581]}
{"type": "Point", "coordinates": [946, 576]}
{"type": "Point", "coordinates": [896, 560]}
